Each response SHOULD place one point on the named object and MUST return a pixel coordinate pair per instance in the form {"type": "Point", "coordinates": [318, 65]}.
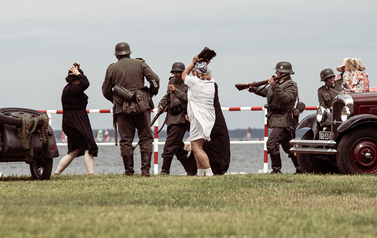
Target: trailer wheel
{"type": "Point", "coordinates": [41, 169]}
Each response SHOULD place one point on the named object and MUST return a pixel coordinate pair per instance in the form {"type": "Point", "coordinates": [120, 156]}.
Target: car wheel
{"type": "Point", "coordinates": [311, 164]}
{"type": "Point", "coordinates": [41, 169]}
{"type": "Point", "coordinates": [12, 115]}
{"type": "Point", "coordinates": [357, 152]}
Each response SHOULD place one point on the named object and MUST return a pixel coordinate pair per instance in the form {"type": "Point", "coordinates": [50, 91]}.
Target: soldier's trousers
{"type": "Point", "coordinates": [127, 125]}
{"type": "Point", "coordinates": [282, 136]}
{"type": "Point", "coordinates": [174, 144]}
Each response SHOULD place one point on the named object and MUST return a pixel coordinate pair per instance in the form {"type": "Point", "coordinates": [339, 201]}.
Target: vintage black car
{"type": "Point", "coordinates": [344, 141]}
{"type": "Point", "coordinates": [25, 137]}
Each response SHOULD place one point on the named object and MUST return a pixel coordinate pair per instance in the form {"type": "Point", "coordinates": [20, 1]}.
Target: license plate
{"type": "Point", "coordinates": [324, 135]}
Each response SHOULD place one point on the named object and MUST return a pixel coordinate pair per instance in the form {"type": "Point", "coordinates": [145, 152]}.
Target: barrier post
{"type": "Point", "coordinates": [265, 155]}
{"type": "Point", "coordinates": [49, 115]}
{"type": "Point", "coordinates": [155, 144]}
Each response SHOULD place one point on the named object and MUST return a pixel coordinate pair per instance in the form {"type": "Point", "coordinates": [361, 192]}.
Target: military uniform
{"type": "Point", "coordinates": [177, 124]}
{"type": "Point", "coordinates": [130, 74]}
{"type": "Point", "coordinates": [327, 94]}
{"type": "Point", "coordinates": [281, 99]}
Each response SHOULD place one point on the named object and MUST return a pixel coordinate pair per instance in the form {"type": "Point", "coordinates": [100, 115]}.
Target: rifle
{"type": "Point", "coordinates": [160, 111]}
{"type": "Point", "coordinates": [257, 84]}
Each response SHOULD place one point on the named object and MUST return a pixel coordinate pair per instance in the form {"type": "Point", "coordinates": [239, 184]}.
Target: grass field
{"type": "Point", "coordinates": [113, 205]}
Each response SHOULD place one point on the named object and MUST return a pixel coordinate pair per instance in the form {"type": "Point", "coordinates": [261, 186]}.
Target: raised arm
{"type": "Point", "coordinates": [189, 68]}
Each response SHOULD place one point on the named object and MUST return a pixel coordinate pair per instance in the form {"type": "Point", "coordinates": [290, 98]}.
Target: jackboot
{"type": "Point", "coordinates": [166, 163]}
{"type": "Point", "coordinates": [128, 162]}
{"type": "Point", "coordinates": [275, 164]}
{"type": "Point", "coordinates": [295, 162]}
{"type": "Point", "coordinates": [146, 163]}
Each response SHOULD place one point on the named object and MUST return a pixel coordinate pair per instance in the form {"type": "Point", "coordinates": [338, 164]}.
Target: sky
{"type": "Point", "coordinates": [40, 39]}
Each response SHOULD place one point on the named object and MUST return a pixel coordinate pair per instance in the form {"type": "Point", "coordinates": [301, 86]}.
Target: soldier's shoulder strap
{"type": "Point", "coordinates": [140, 59]}
{"type": "Point", "coordinates": [334, 90]}
{"type": "Point", "coordinates": [286, 82]}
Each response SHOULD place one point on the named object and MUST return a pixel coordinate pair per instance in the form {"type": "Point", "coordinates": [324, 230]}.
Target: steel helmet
{"type": "Point", "coordinates": [177, 66]}
{"type": "Point", "coordinates": [122, 48]}
{"type": "Point", "coordinates": [326, 73]}
{"type": "Point", "coordinates": [284, 67]}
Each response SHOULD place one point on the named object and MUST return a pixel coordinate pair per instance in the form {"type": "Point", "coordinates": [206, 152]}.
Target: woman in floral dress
{"type": "Point", "coordinates": [354, 79]}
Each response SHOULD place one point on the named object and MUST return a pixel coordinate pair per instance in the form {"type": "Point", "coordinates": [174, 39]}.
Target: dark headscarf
{"type": "Point", "coordinates": [71, 78]}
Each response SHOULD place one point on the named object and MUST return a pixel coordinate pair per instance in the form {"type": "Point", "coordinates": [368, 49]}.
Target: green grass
{"type": "Point", "coordinates": [113, 205]}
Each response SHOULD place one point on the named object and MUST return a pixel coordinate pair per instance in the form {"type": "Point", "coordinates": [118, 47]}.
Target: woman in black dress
{"type": "Point", "coordinates": [76, 124]}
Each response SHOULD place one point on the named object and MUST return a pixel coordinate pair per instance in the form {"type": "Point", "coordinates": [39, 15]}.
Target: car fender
{"type": "Point", "coordinates": [50, 149]}
{"type": "Point", "coordinates": [309, 121]}
{"type": "Point", "coordinates": [356, 121]}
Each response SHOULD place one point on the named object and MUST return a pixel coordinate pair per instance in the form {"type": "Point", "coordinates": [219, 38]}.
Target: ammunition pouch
{"type": "Point", "coordinates": [275, 110]}
{"type": "Point", "coordinates": [177, 107]}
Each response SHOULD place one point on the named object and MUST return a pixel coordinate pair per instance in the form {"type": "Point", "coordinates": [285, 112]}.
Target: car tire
{"type": "Point", "coordinates": [309, 164]}
{"type": "Point", "coordinates": [12, 115]}
{"type": "Point", "coordinates": [357, 151]}
{"type": "Point", "coordinates": [41, 169]}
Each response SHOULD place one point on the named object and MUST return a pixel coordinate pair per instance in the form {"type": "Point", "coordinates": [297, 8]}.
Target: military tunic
{"type": "Point", "coordinates": [179, 96]}
{"type": "Point", "coordinates": [327, 94]}
{"type": "Point", "coordinates": [177, 124]}
{"type": "Point", "coordinates": [130, 74]}
{"type": "Point", "coordinates": [281, 101]}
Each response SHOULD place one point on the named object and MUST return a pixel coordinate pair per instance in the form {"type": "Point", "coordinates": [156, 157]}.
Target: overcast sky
{"type": "Point", "coordinates": [41, 39]}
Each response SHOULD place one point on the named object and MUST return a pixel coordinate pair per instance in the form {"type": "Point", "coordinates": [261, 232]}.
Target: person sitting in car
{"type": "Point", "coordinates": [355, 80]}
{"type": "Point", "coordinates": [330, 90]}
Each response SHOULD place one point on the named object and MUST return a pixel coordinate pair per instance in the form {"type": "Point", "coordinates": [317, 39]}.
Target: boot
{"type": "Point", "coordinates": [145, 163]}
{"type": "Point", "coordinates": [166, 163]}
{"type": "Point", "coordinates": [128, 162]}
{"type": "Point", "coordinates": [275, 163]}
{"type": "Point", "coordinates": [297, 166]}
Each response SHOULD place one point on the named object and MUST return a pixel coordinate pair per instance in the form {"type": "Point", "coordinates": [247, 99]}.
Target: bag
{"type": "Point", "coordinates": [206, 54]}
{"type": "Point", "coordinates": [136, 106]}
{"type": "Point", "coordinates": [177, 107]}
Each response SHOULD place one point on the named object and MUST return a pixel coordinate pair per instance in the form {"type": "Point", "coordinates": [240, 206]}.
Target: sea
{"type": "Point", "coordinates": [246, 158]}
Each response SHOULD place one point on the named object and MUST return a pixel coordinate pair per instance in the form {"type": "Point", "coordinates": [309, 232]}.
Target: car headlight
{"type": "Point", "coordinates": [322, 114]}
{"type": "Point", "coordinates": [345, 113]}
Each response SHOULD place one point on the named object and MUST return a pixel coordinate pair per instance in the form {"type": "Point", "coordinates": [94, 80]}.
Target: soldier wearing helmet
{"type": "Point", "coordinates": [176, 101]}
{"type": "Point", "coordinates": [131, 74]}
{"type": "Point", "coordinates": [281, 99]}
{"type": "Point", "coordinates": [330, 90]}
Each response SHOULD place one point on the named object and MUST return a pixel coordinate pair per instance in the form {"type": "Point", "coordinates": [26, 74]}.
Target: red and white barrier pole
{"type": "Point", "coordinates": [155, 149]}
{"type": "Point", "coordinates": [155, 144]}
{"type": "Point", "coordinates": [265, 155]}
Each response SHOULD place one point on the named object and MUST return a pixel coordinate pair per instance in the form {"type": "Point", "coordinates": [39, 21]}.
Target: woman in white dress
{"type": "Point", "coordinates": [200, 111]}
